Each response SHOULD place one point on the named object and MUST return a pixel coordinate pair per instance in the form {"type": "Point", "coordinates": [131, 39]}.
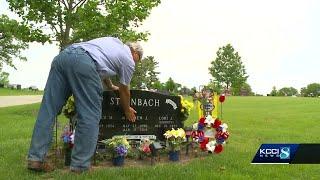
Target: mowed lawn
{"type": "Point", "coordinates": [252, 121]}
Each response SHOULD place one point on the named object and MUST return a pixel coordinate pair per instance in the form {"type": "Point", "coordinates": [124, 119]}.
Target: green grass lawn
{"type": "Point", "coordinates": [16, 92]}
{"type": "Point", "coordinates": [252, 121]}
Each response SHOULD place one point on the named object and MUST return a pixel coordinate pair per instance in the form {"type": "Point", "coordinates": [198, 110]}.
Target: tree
{"type": "Point", "coordinates": [243, 90]}
{"type": "Point", "coordinates": [158, 85]}
{"type": "Point", "coordinates": [227, 68]}
{"type": "Point", "coordinates": [13, 39]}
{"type": "Point", "coordinates": [4, 79]}
{"type": "Point", "coordinates": [287, 91]}
{"type": "Point", "coordinates": [194, 90]}
{"type": "Point", "coordinates": [185, 91]}
{"type": "Point", "coordinates": [170, 85]}
{"type": "Point", "coordinates": [304, 92]}
{"type": "Point", "coordinates": [312, 90]}
{"type": "Point", "coordinates": [274, 91]}
{"type": "Point", "coordinates": [215, 86]}
{"type": "Point", "coordinates": [69, 21]}
{"type": "Point", "coordinates": [145, 73]}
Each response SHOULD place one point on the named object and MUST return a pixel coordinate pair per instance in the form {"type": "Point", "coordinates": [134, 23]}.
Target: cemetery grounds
{"type": "Point", "coordinates": [251, 120]}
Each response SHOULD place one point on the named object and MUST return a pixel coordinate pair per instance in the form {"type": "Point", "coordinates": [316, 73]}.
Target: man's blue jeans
{"type": "Point", "coordinates": [73, 71]}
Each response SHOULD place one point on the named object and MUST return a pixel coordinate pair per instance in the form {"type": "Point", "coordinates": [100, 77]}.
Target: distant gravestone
{"type": "Point", "coordinates": [156, 113]}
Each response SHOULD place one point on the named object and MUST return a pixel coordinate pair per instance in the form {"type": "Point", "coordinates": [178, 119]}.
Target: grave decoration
{"type": "Point", "coordinates": [118, 146]}
{"type": "Point", "coordinates": [175, 138]}
{"type": "Point", "coordinates": [186, 107]}
{"type": "Point", "coordinates": [69, 130]}
{"type": "Point", "coordinates": [144, 148]}
{"type": "Point", "coordinates": [210, 134]}
{"type": "Point", "coordinates": [68, 143]}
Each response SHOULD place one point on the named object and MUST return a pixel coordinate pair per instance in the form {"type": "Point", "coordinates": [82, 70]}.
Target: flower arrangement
{"type": "Point", "coordinates": [69, 108]}
{"type": "Point", "coordinates": [68, 137]}
{"type": "Point", "coordinates": [68, 143]}
{"type": "Point", "coordinates": [175, 138]}
{"type": "Point", "coordinates": [118, 145]}
{"type": "Point", "coordinates": [207, 139]}
{"type": "Point", "coordinates": [145, 147]}
{"type": "Point", "coordinates": [186, 107]}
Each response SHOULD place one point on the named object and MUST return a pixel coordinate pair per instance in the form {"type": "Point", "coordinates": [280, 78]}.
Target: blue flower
{"type": "Point", "coordinates": [220, 140]}
{"type": "Point", "coordinates": [121, 150]}
{"type": "Point", "coordinates": [200, 127]}
{"type": "Point", "coordinates": [66, 139]}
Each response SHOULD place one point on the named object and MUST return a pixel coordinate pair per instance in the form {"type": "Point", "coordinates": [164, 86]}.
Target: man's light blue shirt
{"type": "Point", "coordinates": [112, 57]}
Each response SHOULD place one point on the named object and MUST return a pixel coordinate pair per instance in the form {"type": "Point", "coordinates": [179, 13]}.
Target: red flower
{"type": "Point", "coordinates": [204, 143]}
{"type": "Point", "coordinates": [225, 135]}
{"type": "Point", "coordinates": [216, 123]}
{"type": "Point", "coordinates": [218, 149]}
{"type": "Point", "coordinates": [146, 149]}
{"type": "Point", "coordinates": [196, 134]}
{"type": "Point", "coordinates": [222, 98]}
{"type": "Point", "coordinates": [202, 120]}
{"type": "Point", "coordinates": [219, 135]}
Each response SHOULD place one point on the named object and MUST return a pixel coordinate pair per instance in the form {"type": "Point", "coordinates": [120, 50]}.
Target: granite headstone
{"type": "Point", "coordinates": [156, 113]}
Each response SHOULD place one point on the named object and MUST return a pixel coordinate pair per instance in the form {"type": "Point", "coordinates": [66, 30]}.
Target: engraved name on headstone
{"type": "Point", "coordinates": [156, 113]}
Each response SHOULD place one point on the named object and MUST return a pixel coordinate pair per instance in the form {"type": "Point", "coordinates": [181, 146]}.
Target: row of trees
{"type": "Point", "coordinates": [146, 77]}
{"type": "Point", "coordinates": [312, 90]}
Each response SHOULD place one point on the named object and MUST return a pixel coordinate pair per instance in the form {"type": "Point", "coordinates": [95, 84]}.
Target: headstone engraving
{"type": "Point", "coordinates": [156, 113]}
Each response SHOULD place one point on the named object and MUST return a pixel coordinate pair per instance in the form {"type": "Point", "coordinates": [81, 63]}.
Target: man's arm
{"type": "Point", "coordinates": [125, 102]}
{"type": "Point", "coordinates": [109, 84]}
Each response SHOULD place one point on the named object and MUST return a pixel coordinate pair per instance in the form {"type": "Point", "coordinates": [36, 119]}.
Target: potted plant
{"type": "Point", "coordinates": [69, 112]}
{"type": "Point", "coordinates": [175, 138]}
{"type": "Point", "coordinates": [144, 148]}
{"type": "Point", "coordinates": [118, 146]}
{"type": "Point", "coordinates": [68, 143]}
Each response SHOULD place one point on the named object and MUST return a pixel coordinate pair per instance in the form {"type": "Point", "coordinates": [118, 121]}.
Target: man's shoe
{"type": "Point", "coordinates": [39, 166]}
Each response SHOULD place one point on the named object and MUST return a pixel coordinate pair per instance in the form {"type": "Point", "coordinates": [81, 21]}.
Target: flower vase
{"type": "Point", "coordinates": [118, 161]}
{"type": "Point", "coordinates": [67, 156]}
{"type": "Point", "coordinates": [174, 155]}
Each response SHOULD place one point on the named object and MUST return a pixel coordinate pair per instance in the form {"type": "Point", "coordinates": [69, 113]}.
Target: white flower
{"type": "Point", "coordinates": [224, 127]}
{"type": "Point", "coordinates": [72, 137]}
{"type": "Point", "coordinates": [211, 146]}
{"type": "Point", "coordinates": [209, 120]}
{"type": "Point", "coordinates": [195, 126]}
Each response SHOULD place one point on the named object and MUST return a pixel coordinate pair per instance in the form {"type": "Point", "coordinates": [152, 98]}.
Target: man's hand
{"type": "Point", "coordinates": [125, 102]}
{"type": "Point", "coordinates": [114, 88]}
{"type": "Point", "coordinates": [109, 84]}
{"type": "Point", "coordinates": [130, 114]}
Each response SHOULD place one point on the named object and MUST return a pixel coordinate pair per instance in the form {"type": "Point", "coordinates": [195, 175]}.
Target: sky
{"type": "Point", "coordinates": [278, 42]}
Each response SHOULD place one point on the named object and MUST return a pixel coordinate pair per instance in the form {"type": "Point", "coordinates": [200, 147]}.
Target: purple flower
{"type": "Point", "coordinates": [121, 150]}
{"type": "Point", "coordinates": [201, 138]}
{"type": "Point", "coordinates": [200, 126]}
{"type": "Point", "coordinates": [219, 140]}
{"type": "Point", "coordinates": [66, 139]}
